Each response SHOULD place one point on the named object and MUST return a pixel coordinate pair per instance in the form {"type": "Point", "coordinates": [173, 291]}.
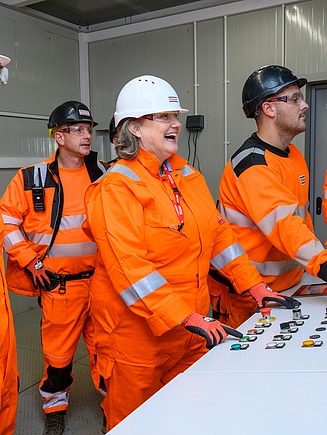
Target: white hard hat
{"type": "Point", "coordinates": [4, 60]}
{"type": "Point", "coordinates": [146, 95]}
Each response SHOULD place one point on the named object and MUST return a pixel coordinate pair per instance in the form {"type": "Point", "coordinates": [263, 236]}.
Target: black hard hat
{"type": "Point", "coordinates": [70, 112]}
{"type": "Point", "coordinates": [264, 82]}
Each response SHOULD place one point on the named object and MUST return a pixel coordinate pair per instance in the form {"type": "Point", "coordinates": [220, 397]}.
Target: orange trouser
{"type": "Point", "coordinates": [138, 364]}
{"type": "Point", "coordinates": [8, 374]}
{"type": "Point", "coordinates": [65, 318]}
{"type": "Point", "coordinates": [230, 307]}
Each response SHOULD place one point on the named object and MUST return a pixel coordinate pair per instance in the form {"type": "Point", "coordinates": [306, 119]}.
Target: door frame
{"type": "Point", "coordinates": [310, 144]}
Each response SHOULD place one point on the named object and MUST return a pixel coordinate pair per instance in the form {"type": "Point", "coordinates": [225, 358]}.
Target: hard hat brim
{"type": "Point", "coordinates": [4, 60]}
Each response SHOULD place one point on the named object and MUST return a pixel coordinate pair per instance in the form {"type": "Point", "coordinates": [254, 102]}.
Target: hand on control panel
{"type": "Point", "coordinates": [262, 294]}
{"type": "Point", "coordinates": [212, 330]}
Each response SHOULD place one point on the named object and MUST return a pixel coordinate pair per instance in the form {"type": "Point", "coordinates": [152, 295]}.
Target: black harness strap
{"type": "Point", "coordinates": [63, 278]}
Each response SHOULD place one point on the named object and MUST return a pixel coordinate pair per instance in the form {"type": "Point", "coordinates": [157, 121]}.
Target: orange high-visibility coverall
{"type": "Point", "coordinates": [27, 234]}
{"type": "Point", "coordinates": [150, 276]}
{"type": "Point", "coordinates": [264, 196]}
{"type": "Point", "coordinates": [8, 360]}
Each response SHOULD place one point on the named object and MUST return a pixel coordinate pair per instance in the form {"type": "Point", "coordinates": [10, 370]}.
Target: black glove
{"type": "Point", "coordinates": [323, 271]}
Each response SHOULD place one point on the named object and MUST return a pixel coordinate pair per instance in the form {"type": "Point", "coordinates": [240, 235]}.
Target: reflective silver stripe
{"type": "Point", "coordinates": [11, 220]}
{"type": "Point", "coordinates": [72, 250]}
{"type": "Point", "coordinates": [275, 268]}
{"type": "Point", "coordinates": [43, 167]}
{"type": "Point", "coordinates": [124, 170]}
{"type": "Point", "coordinates": [66, 223]}
{"type": "Point", "coordinates": [51, 400]}
{"type": "Point", "coordinates": [237, 218]}
{"type": "Point", "coordinates": [301, 211]}
{"type": "Point", "coordinates": [39, 238]}
{"type": "Point", "coordinates": [12, 238]}
{"type": "Point", "coordinates": [227, 255]}
{"type": "Point", "coordinates": [70, 222]}
{"type": "Point", "coordinates": [142, 288]}
{"type": "Point", "coordinates": [101, 167]}
{"type": "Point", "coordinates": [267, 224]}
{"type": "Point", "coordinates": [186, 170]}
{"type": "Point", "coordinates": [242, 155]}
{"type": "Point", "coordinates": [325, 194]}
{"type": "Point", "coordinates": [307, 251]}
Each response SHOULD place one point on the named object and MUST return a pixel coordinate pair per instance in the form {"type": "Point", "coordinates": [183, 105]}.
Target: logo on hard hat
{"type": "Point", "coordinates": [173, 99]}
{"type": "Point", "coordinates": [84, 112]}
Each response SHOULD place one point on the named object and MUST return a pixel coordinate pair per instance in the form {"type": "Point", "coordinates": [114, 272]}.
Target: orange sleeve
{"type": "Point", "coordinates": [13, 208]}
{"type": "Point", "coordinates": [273, 209]}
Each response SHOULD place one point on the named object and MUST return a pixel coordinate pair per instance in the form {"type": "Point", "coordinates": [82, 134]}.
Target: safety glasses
{"type": "Point", "coordinates": [295, 98]}
{"type": "Point", "coordinates": [77, 130]}
{"type": "Point", "coordinates": [162, 117]}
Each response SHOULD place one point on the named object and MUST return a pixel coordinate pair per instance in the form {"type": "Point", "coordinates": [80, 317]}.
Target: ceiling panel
{"type": "Point", "coordinates": [84, 13]}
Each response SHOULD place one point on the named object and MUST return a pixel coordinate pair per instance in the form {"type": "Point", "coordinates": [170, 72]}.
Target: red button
{"type": "Point", "coordinates": [265, 311]}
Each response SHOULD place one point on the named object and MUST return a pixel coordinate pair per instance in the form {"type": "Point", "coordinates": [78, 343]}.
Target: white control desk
{"type": "Point", "coordinates": [233, 404]}
{"type": "Point", "coordinates": [243, 392]}
{"type": "Point", "coordinates": [291, 358]}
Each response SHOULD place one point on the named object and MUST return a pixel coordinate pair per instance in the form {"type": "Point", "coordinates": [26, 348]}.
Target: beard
{"type": "Point", "coordinates": [289, 126]}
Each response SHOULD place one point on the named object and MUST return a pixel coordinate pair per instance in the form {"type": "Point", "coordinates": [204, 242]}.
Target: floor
{"type": "Point", "coordinates": [84, 416]}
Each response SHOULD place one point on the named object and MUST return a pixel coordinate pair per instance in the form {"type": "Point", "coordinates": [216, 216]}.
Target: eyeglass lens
{"type": "Point", "coordinates": [165, 117]}
{"type": "Point", "coordinates": [78, 130]}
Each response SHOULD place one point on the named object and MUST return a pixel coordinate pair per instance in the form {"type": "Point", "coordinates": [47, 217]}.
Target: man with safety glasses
{"type": "Point", "coordinates": [264, 190]}
{"type": "Point", "coordinates": [50, 256]}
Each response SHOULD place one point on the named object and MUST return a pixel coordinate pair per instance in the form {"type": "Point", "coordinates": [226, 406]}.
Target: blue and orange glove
{"type": "Point", "coordinates": [40, 276]}
{"type": "Point", "coordinates": [212, 330]}
{"type": "Point", "coordinates": [262, 294]}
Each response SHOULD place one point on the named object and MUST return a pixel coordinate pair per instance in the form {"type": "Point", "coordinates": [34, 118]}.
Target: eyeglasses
{"type": "Point", "coordinates": [162, 117]}
{"type": "Point", "coordinates": [77, 130]}
{"type": "Point", "coordinates": [295, 98]}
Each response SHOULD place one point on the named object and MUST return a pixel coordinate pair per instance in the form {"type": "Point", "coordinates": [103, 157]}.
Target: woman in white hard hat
{"type": "Point", "coordinates": [157, 231]}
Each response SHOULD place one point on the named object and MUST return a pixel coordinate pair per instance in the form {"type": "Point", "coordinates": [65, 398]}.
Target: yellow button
{"type": "Point", "coordinates": [308, 343]}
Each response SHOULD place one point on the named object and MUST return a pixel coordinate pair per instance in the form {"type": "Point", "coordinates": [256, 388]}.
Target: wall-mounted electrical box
{"type": "Point", "coordinates": [195, 122]}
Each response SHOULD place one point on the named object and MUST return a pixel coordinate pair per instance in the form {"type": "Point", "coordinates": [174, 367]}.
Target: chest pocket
{"type": "Point", "coordinates": [165, 244]}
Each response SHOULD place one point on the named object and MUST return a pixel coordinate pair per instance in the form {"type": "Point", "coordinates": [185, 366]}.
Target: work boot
{"type": "Point", "coordinates": [54, 423]}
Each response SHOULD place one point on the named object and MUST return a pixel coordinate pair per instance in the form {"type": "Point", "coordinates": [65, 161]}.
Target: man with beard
{"type": "Point", "coordinates": [264, 192]}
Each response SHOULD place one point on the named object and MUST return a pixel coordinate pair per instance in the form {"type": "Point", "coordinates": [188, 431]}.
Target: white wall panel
{"type": "Point", "coordinates": [24, 138]}
{"type": "Point", "coordinates": [305, 46]}
{"type": "Point", "coordinates": [47, 69]}
{"type": "Point", "coordinates": [112, 64]}
{"type": "Point", "coordinates": [9, 137]}
{"type": "Point", "coordinates": [166, 53]}
{"type": "Point", "coordinates": [210, 55]}
{"type": "Point", "coordinates": [254, 39]}
{"type": "Point", "coordinates": [169, 55]}
{"type": "Point", "coordinates": [306, 37]}
{"type": "Point", "coordinates": [8, 94]}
